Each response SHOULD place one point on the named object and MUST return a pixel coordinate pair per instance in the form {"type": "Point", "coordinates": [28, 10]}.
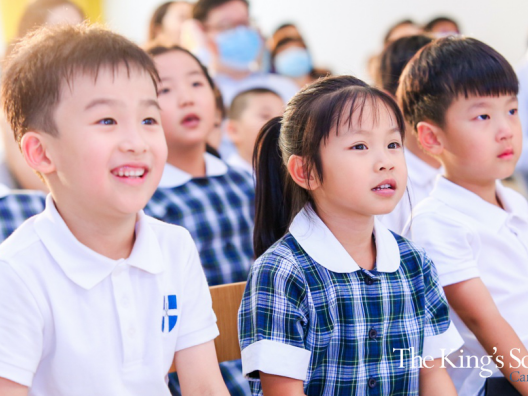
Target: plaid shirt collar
{"type": "Point", "coordinates": [318, 241]}
{"type": "Point", "coordinates": [175, 177]}
{"type": "Point", "coordinates": [86, 267]}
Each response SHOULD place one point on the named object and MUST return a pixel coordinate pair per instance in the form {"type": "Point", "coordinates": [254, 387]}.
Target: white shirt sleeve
{"type": "Point", "coordinates": [21, 328]}
{"type": "Point", "coordinates": [453, 247]}
{"type": "Point", "coordinates": [198, 321]}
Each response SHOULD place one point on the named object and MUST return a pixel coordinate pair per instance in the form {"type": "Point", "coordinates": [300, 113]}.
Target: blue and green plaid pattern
{"type": "Point", "coordinates": [293, 300]}
{"type": "Point", "coordinates": [218, 211]}
{"type": "Point", "coordinates": [17, 207]}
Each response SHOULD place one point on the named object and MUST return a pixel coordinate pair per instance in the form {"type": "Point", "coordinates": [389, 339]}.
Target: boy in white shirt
{"type": "Point", "coordinates": [96, 298]}
{"type": "Point", "coordinates": [248, 113]}
{"type": "Point", "coordinates": [459, 95]}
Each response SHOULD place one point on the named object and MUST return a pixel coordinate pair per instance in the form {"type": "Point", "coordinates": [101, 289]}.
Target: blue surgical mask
{"type": "Point", "coordinates": [293, 62]}
{"type": "Point", "coordinates": [239, 48]}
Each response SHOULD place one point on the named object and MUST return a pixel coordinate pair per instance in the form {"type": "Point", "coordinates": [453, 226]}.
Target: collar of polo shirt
{"type": "Point", "coordinates": [419, 172]}
{"type": "Point", "coordinates": [475, 207]}
{"type": "Point", "coordinates": [86, 267]}
{"type": "Point", "coordinates": [175, 177]}
{"type": "Point", "coordinates": [322, 246]}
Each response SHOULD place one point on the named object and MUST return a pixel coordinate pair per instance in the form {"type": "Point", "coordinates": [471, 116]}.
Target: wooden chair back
{"type": "Point", "coordinates": [226, 301]}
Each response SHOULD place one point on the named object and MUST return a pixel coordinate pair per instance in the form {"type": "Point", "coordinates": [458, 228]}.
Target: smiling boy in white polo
{"type": "Point", "coordinates": [96, 298]}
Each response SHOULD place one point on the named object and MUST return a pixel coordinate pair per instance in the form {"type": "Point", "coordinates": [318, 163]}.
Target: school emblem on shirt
{"type": "Point", "coordinates": [170, 310]}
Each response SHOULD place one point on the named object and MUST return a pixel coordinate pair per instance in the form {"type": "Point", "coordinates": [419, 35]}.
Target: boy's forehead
{"type": "Point", "coordinates": [80, 80]}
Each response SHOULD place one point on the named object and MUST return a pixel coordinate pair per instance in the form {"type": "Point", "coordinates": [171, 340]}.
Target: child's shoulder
{"type": "Point", "coordinates": [285, 254]}
{"type": "Point", "coordinates": [21, 242]}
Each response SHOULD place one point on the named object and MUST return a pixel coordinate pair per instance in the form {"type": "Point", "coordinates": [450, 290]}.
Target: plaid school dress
{"type": "Point", "coordinates": [311, 313]}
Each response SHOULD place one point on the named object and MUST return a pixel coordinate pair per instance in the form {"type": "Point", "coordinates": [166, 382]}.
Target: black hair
{"type": "Point", "coordinates": [448, 68]}
{"type": "Point", "coordinates": [308, 120]}
{"type": "Point", "coordinates": [202, 8]}
{"type": "Point", "coordinates": [160, 49]}
{"type": "Point", "coordinates": [394, 58]}
{"type": "Point", "coordinates": [430, 25]}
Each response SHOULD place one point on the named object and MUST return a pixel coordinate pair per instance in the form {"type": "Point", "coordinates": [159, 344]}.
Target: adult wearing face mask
{"type": "Point", "coordinates": [221, 36]}
{"type": "Point", "coordinates": [290, 58]}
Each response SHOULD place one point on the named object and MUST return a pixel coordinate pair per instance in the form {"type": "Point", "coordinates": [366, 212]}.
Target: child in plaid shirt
{"type": "Point", "coordinates": [199, 191]}
{"type": "Point", "coordinates": [337, 304]}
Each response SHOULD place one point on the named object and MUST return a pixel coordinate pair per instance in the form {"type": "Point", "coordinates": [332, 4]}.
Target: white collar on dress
{"type": "Point", "coordinates": [469, 203]}
{"type": "Point", "coordinates": [174, 177]}
{"type": "Point", "coordinates": [322, 246]}
{"type": "Point", "coordinates": [83, 265]}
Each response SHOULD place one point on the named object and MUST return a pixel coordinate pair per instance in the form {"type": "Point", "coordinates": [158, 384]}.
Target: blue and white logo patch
{"type": "Point", "coordinates": [170, 313]}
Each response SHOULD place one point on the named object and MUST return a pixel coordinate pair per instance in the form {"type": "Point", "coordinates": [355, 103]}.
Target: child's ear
{"type": "Point", "coordinates": [232, 131]}
{"type": "Point", "coordinates": [34, 149]}
{"type": "Point", "coordinates": [299, 176]}
{"type": "Point", "coordinates": [429, 136]}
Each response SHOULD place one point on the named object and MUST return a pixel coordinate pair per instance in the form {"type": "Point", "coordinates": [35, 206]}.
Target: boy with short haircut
{"type": "Point", "coordinates": [96, 298]}
{"type": "Point", "coordinates": [460, 97]}
{"type": "Point", "coordinates": [249, 111]}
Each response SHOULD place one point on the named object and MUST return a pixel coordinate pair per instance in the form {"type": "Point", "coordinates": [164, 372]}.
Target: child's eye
{"type": "Point", "coordinates": [163, 91]}
{"type": "Point", "coordinates": [394, 145]}
{"type": "Point", "coordinates": [197, 84]}
{"type": "Point", "coordinates": [150, 121]}
{"type": "Point", "coordinates": [107, 121]}
{"type": "Point", "coordinates": [513, 111]}
{"type": "Point", "coordinates": [359, 146]}
{"type": "Point", "coordinates": [483, 117]}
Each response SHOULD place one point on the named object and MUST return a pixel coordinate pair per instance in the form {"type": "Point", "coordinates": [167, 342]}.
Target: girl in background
{"type": "Point", "coordinates": [166, 23]}
{"type": "Point", "coordinates": [336, 303]}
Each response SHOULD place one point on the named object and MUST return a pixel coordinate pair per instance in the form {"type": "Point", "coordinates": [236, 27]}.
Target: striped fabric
{"type": "Point", "coordinates": [349, 324]}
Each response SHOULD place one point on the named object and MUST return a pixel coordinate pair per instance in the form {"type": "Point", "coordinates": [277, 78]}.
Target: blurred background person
{"type": "Point", "coordinates": [222, 36]}
{"type": "Point", "coordinates": [286, 30]}
{"type": "Point", "coordinates": [248, 113]}
{"type": "Point", "coordinates": [166, 23]}
{"type": "Point", "coordinates": [442, 26]}
{"type": "Point", "coordinates": [14, 171]}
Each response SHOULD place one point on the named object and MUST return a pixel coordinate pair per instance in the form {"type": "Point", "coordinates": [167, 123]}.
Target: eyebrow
{"type": "Point", "coordinates": [484, 104]}
{"type": "Point", "coordinates": [364, 131]}
{"type": "Point", "coordinates": [117, 103]}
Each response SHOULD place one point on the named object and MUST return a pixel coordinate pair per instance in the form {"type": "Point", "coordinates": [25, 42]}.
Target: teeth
{"type": "Point", "coordinates": [129, 172]}
{"type": "Point", "coordinates": [382, 187]}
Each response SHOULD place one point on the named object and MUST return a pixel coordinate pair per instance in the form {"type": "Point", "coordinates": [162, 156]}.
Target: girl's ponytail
{"type": "Point", "coordinates": [272, 210]}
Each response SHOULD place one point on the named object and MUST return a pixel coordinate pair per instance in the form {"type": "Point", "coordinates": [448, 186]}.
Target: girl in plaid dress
{"type": "Point", "coordinates": [337, 304]}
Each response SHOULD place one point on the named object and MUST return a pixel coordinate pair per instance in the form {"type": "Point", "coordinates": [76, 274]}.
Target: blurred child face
{"type": "Point", "coordinates": [260, 109]}
{"type": "Point", "coordinates": [364, 170]}
{"type": "Point", "coordinates": [110, 150]}
{"type": "Point", "coordinates": [482, 138]}
{"type": "Point", "coordinates": [64, 15]}
{"type": "Point", "coordinates": [186, 99]}
{"type": "Point", "coordinates": [177, 13]}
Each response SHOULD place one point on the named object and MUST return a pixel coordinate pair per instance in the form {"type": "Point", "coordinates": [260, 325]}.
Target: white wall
{"type": "Point", "coordinates": [342, 34]}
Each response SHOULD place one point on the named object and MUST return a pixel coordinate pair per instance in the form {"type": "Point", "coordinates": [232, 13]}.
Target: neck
{"type": "Point", "coordinates": [233, 74]}
{"type": "Point", "coordinates": [487, 190]}
{"type": "Point", "coordinates": [110, 236]}
{"type": "Point", "coordinates": [188, 159]}
{"type": "Point", "coordinates": [411, 144]}
{"type": "Point", "coordinates": [246, 156]}
{"type": "Point", "coordinates": [354, 232]}
{"type": "Point", "coordinates": [302, 81]}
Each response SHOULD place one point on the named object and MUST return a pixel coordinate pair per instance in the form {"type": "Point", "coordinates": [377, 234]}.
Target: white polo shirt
{"type": "Point", "coordinates": [467, 237]}
{"type": "Point", "coordinates": [420, 182]}
{"type": "Point", "coordinates": [74, 322]}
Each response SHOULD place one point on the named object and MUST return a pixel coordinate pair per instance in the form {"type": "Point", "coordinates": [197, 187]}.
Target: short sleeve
{"type": "Point", "coordinates": [198, 321]}
{"type": "Point", "coordinates": [451, 246]}
{"type": "Point", "coordinates": [439, 332]}
{"type": "Point", "coordinates": [21, 328]}
{"type": "Point", "coordinates": [272, 320]}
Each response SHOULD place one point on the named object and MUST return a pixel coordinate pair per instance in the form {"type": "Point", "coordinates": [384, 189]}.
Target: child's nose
{"type": "Point", "coordinates": [185, 98]}
{"type": "Point", "coordinates": [506, 129]}
{"type": "Point", "coordinates": [133, 141]}
{"type": "Point", "coordinates": [384, 162]}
